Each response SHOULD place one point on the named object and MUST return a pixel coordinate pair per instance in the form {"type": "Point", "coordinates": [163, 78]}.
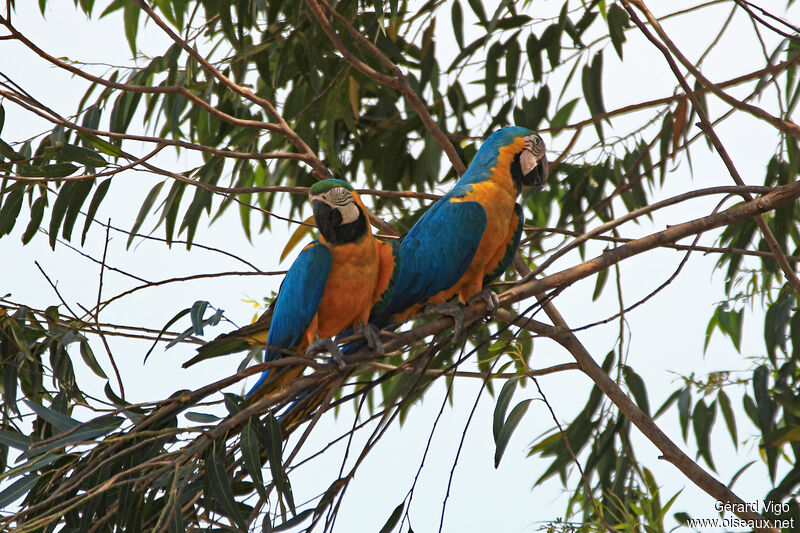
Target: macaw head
{"type": "Point", "coordinates": [516, 152]}
{"type": "Point", "coordinates": [338, 211]}
{"type": "Point", "coordinates": [529, 168]}
{"type": "Point", "coordinates": [528, 158]}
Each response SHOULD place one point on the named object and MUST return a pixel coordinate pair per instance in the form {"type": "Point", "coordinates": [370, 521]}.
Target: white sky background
{"type": "Point", "coordinates": [667, 332]}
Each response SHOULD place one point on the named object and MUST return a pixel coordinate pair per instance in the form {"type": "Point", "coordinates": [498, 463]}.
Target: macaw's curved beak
{"type": "Point", "coordinates": [327, 217]}
{"type": "Point", "coordinates": [539, 169]}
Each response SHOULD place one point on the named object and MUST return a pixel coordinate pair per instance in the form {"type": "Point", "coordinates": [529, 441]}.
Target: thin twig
{"type": "Point", "coordinates": [96, 314]}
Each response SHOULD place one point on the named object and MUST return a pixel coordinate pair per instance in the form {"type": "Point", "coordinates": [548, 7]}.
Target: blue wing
{"type": "Point", "coordinates": [297, 302]}
{"type": "Point", "coordinates": [435, 253]}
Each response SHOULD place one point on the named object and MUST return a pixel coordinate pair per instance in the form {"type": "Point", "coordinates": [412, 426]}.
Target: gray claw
{"type": "Point", "coordinates": [373, 336]}
{"type": "Point", "coordinates": [491, 299]}
{"type": "Point", "coordinates": [327, 345]}
{"type": "Point", "coordinates": [455, 312]}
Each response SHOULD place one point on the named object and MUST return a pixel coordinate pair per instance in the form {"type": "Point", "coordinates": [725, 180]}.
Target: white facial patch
{"type": "Point", "coordinates": [341, 199]}
{"type": "Point", "coordinates": [533, 153]}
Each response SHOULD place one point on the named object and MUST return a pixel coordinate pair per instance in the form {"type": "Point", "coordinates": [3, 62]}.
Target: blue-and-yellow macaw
{"type": "Point", "coordinates": [332, 285]}
{"type": "Point", "coordinates": [469, 236]}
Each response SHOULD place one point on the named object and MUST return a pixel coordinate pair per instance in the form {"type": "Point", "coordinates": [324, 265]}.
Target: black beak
{"type": "Point", "coordinates": [328, 219]}
{"type": "Point", "coordinates": [538, 175]}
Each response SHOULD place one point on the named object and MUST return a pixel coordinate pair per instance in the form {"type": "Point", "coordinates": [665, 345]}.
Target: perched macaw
{"type": "Point", "coordinates": [468, 237]}
{"type": "Point", "coordinates": [333, 284]}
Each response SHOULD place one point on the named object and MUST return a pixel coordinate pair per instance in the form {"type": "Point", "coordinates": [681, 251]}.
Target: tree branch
{"type": "Point", "coordinates": [669, 50]}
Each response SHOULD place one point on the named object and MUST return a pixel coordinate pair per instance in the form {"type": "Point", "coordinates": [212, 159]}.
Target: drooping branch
{"type": "Point", "coordinates": [668, 49]}
{"type": "Point", "coordinates": [784, 125]}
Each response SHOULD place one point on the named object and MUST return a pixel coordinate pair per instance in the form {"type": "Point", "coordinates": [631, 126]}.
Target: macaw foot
{"type": "Point", "coordinates": [327, 345]}
{"type": "Point", "coordinates": [491, 299]}
{"type": "Point", "coordinates": [456, 313]}
{"type": "Point", "coordinates": [373, 336]}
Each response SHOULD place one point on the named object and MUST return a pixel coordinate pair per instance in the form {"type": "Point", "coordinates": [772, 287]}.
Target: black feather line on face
{"type": "Point", "coordinates": [533, 178]}
{"type": "Point", "coordinates": [329, 222]}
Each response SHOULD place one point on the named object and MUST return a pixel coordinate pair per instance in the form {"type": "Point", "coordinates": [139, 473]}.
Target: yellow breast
{"type": "Point", "coordinates": [349, 292]}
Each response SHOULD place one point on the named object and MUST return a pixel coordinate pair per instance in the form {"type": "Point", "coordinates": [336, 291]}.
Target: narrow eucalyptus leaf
{"type": "Point", "coordinates": [97, 198]}
{"type": "Point", "coordinates": [509, 426]}
{"type": "Point", "coordinates": [503, 399]}
{"type": "Point", "coordinates": [391, 522]}
{"type": "Point", "coordinates": [144, 210]}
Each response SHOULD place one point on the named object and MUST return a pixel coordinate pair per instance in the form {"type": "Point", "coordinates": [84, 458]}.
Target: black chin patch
{"type": "Point", "coordinates": [534, 178]}
{"type": "Point", "coordinates": [329, 222]}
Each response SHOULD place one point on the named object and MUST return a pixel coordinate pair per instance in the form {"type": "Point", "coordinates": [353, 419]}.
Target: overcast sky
{"type": "Point", "coordinates": [667, 332]}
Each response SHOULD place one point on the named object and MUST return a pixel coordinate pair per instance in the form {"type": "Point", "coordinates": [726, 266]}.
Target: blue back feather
{"type": "Point", "coordinates": [442, 244]}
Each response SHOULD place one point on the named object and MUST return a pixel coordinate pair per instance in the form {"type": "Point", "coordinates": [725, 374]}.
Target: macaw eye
{"type": "Point", "coordinates": [340, 196]}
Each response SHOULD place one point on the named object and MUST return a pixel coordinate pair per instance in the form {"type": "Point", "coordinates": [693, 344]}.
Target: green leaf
{"type": "Point", "coordinates": [131, 17]}
{"type": "Point", "coordinates": [299, 519]}
{"type": "Point", "coordinates": [56, 170]}
{"type": "Point", "coordinates": [10, 377]}
{"type": "Point", "coordinates": [171, 321]}
{"type": "Point", "coordinates": [551, 41]}
{"type": "Point", "coordinates": [669, 401]}
{"type": "Point", "coordinates": [114, 6]}
{"type": "Point", "coordinates": [512, 63]}
{"type": "Point", "coordinates": [457, 16]}
{"type": "Point", "coordinates": [90, 360]}
{"type": "Point", "coordinates": [561, 117]}
{"type": "Point", "coordinates": [617, 22]}
{"type": "Point", "coordinates": [15, 439]}
{"type": "Point", "coordinates": [592, 83]}
{"type": "Point", "coordinates": [776, 321]}
{"type": "Point", "coordinates": [739, 473]}
{"type": "Point", "coordinates": [684, 409]}
{"type": "Point", "coordinates": [91, 120]}
{"type": "Point", "coordinates": [217, 348]}
{"type": "Point", "coordinates": [272, 440]}
{"type": "Point", "coordinates": [196, 314]}
{"type": "Point", "coordinates": [221, 486]}
{"type": "Point", "coordinates": [11, 208]}
{"type": "Point", "coordinates": [244, 214]}
{"type": "Point", "coordinates": [143, 211]}
{"type": "Point", "coordinates": [98, 143]}
{"type": "Point", "coordinates": [252, 457]}
{"type": "Point", "coordinates": [602, 276]}
{"type": "Point", "coordinates": [59, 210]}
{"type": "Point", "coordinates": [97, 198]}
{"type": "Point", "coordinates": [637, 388]}
{"type": "Point", "coordinates": [79, 196]}
{"type": "Point", "coordinates": [682, 517]}
{"type": "Point", "coordinates": [58, 420]}
{"type": "Point", "coordinates": [727, 414]}
{"type": "Point", "coordinates": [17, 490]}
{"type": "Point", "coordinates": [83, 433]}
{"type": "Point", "coordinates": [503, 399]}
{"type": "Point", "coordinates": [490, 70]}
{"type": "Point", "coordinates": [509, 426]}
{"type": "Point", "coordinates": [81, 155]}
{"type": "Point", "coordinates": [9, 153]}
{"type": "Point", "coordinates": [763, 402]}
{"type": "Point", "coordinates": [703, 420]}
{"type": "Point", "coordinates": [298, 235]}
{"type": "Point", "coordinates": [477, 8]}
{"type": "Point", "coordinates": [201, 418]}
{"type": "Point", "coordinates": [393, 519]}
{"type": "Point", "coordinates": [534, 53]}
